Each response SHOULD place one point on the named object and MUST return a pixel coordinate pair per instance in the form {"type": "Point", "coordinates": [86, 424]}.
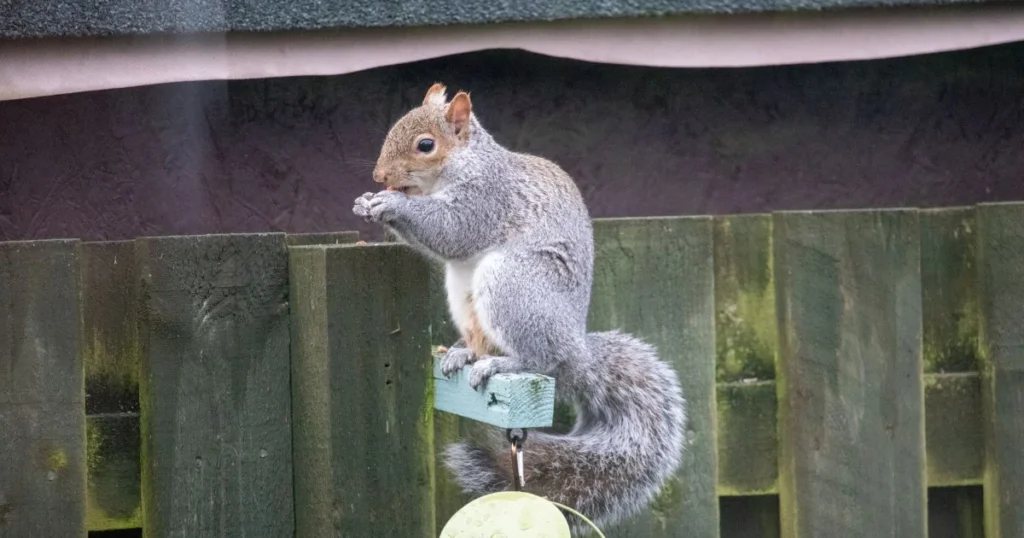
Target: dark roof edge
{"type": "Point", "coordinates": [102, 18]}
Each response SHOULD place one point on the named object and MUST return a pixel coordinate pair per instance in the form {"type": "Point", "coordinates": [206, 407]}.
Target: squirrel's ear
{"type": "Point", "coordinates": [435, 95]}
{"type": "Point", "coordinates": [458, 112]}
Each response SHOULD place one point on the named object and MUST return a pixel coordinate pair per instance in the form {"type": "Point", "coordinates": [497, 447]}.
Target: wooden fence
{"type": "Point", "coordinates": [839, 366]}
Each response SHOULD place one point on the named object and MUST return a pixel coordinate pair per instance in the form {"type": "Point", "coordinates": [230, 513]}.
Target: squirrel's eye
{"type": "Point", "coordinates": [425, 146]}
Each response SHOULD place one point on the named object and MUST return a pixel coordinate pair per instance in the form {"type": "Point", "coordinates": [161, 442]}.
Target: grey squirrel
{"type": "Point", "coordinates": [516, 239]}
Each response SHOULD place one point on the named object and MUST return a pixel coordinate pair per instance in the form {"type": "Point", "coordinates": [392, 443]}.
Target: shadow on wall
{"type": "Point", "coordinates": [291, 154]}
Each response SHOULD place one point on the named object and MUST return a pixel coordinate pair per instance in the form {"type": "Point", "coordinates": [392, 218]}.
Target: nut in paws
{"type": "Point", "coordinates": [379, 207]}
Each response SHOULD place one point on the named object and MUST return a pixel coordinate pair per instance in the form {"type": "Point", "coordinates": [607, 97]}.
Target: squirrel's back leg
{"type": "Point", "coordinates": [537, 322]}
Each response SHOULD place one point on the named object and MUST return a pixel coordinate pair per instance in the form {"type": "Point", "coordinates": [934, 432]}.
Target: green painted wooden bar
{"type": "Point", "coordinates": [216, 406]}
{"type": "Point", "coordinates": [508, 400]}
{"type": "Point", "coordinates": [362, 392]}
{"type": "Point", "coordinates": [850, 391]}
{"type": "Point", "coordinates": [654, 278]}
{"type": "Point", "coordinates": [1001, 276]}
{"type": "Point", "coordinates": [42, 407]}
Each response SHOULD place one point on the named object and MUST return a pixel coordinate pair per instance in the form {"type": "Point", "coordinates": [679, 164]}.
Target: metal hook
{"type": "Point", "coordinates": [518, 476]}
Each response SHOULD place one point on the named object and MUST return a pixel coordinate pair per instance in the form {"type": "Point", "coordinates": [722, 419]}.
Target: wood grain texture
{"type": "Point", "coordinates": [42, 395]}
{"type": "Point", "coordinates": [949, 290]}
{"type": "Point", "coordinates": [851, 416]}
{"type": "Point", "coordinates": [747, 440]}
{"type": "Point", "coordinates": [216, 405]}
{"type": "Point", "coordinates": [1001, 276]}
{"type": "Point", "coordinates": [324, 238]}
{"type": "Point", "coordinates": [363, 392]}
{"type": "Point", "coordinates": [508, 400]}
{"type": "Point", "coordinates": [109, 326]}
{"type": "Point", "coordinates": [311, 392]}
{"type": "Point", "coordinates": [745, 330]}
{"type": "Point", "coordinates": [654, 279]}
{"type": "Point", "coordinates": [109, 290]}
{"type": "Point", "coordinates": [448, 427]}
{"type": "Point", "coordinates": [113, 455]}
{"type": "Point", "coordinates": [954, 435]}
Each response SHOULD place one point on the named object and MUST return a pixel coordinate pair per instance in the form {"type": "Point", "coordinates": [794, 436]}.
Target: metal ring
{"type": "Point", "coordinates": [515, 439]}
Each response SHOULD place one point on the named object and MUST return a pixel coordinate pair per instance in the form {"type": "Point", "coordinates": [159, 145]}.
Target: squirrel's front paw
{"type": "Point", "coordinates": [379, 207]}
{"type": "Point", "coordinates": [455, 360]}
{"type": "Point", "coordinates": [482, 370]}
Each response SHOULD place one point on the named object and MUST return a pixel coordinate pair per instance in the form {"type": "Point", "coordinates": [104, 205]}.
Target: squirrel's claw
{"type": "Point", "coordinates": [482, 370]}
{"type": "Point", "coordinates": [455, 359]}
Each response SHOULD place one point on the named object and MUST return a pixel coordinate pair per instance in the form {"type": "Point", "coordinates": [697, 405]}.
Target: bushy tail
{"type": "Point", "coordinates": [627, 440]}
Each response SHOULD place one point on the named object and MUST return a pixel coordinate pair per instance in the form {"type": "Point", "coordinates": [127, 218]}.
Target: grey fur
{"type": "Point", "coordinates": [521, 226]}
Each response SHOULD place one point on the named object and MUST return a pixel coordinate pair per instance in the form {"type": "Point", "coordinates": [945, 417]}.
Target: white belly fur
{"type": "Point", "coordinates": [464, 280]}
{"type": "Point", "coordinates": [458, 281]}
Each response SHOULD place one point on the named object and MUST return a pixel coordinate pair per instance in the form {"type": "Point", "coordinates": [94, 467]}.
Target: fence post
{"type": "Point", "coordinates": [851, 417]}
{"type": "Point", "coordinates": [362, 392]}
{"type": "Point", "coordinates": [214, 390]}
{"type": "Point", "coordinates": [654, 278]}
{"type": "Point", "coordinates": [1001, 276]}
{"type": "Point", "coordinates": [42, 408]}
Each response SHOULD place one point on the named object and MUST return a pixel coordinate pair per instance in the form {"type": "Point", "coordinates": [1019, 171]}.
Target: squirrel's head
{"type": "Point", "coordinates": [419, 143]}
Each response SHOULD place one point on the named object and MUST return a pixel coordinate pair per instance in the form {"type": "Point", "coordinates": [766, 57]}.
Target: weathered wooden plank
{"type": "Point", "coordinates": [42, 396]}
{"type": "Point", "coordinates": [747, 441]}
{"type": "Point", "coordinates": [654, 278]}
{"type": "Point", "coordinates": [1001, 277]}
{"type": "Point", "coordinates": [850, 391]}
{"type": "Point", "coordinates": [448, 428]}
{"type": "Point", "coordinates": [216, 404]}
{"type": "Point", "coordinates": [949, 290]}
{"type": "Point", "coordinates": [363, 392]}
{"type": "Point", "coordinates": [109, 291]}
{"type": "Point", "coordinates": [949, 304]}
{"type": "Point", "coordinates": [109, 301]}
{"type": "Point", "coordinates": [324, 238]}
{"type": "Point", "coordinates": [509, 400]}
{"type": "Point", "coordinates": [745, 329]}
{"type": "Point", "coordinates": [954, 431]}
{"type": "Point", "coordinates": [745, 336]}
{"type": "Point", "coordinates": [112, 452]}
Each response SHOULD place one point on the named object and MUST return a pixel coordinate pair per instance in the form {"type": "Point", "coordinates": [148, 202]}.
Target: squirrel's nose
{"type": "Point", "coordinates": [380, 176]}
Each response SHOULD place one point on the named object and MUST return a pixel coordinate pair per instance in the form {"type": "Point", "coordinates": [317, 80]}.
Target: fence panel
{"type": "Point", "coordinates": [362, 388]}
{"type": "Point", "coordinates": [42, 408]}
{"type": "Point", "coordinates": [1001, 275]}
{"type": "Point", "coordinates": [653, 278]}
{"type": "Point", "coordinates": [216, 402]}
{"type": "Point", "coordinates": [851, 420]}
